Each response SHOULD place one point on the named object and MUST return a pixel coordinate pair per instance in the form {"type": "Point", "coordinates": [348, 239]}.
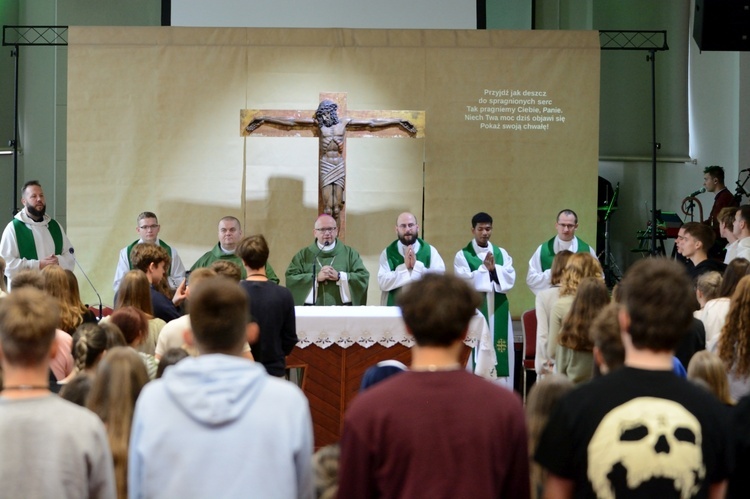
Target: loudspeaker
{"type": "Point", "coordinates": [722, 25]}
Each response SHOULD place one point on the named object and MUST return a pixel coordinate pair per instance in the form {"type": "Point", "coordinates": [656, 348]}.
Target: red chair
{"type": "Point", "coordinates": [105, 310]}
{"type": "Point", "coordinates": [528, 323]}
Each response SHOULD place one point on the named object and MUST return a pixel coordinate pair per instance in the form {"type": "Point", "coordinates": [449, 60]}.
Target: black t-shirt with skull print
{"type": "Point", "coordinates": [638, 433]}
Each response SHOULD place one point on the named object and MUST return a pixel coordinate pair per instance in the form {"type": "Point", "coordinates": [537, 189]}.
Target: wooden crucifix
{"type": "Point", "coordinates": [331, 123]}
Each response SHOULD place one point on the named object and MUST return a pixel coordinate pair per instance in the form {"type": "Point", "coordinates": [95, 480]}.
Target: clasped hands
{"type": "Point", "coordinates": [328, 273]}
{"type": "Point", "coordinates": [410, 258]}
{"type": "Point", "coordinates": [489, 261]}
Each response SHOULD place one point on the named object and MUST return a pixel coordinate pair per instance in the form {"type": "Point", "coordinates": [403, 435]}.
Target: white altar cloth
{"type": "Point", "coordinates": [366, 326]}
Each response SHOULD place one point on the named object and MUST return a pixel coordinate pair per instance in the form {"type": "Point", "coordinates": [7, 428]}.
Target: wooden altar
{"type": "Point", "coordinates": [338, 344]}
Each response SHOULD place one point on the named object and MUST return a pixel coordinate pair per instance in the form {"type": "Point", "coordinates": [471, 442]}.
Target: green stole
{"type": "Point", "coordinates": [548, 252]}
{"type": "Point", "coordinates": [500, 329]}
{"type": "Point", "coordinates": [25, 239]}
{"type": "Point", "coordinates": [162, 244]}
{"type": "Point", "coordinates": [395, 259]}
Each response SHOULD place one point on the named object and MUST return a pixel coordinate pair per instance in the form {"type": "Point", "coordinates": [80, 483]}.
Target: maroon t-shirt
{"type": "Point", "coordinates": [434, 434]}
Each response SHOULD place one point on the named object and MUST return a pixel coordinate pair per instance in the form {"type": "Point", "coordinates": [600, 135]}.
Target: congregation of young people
{"type": "Point", "coordinates": [631, 399]}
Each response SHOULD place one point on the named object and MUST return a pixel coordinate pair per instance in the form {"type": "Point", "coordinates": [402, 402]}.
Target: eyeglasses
{"type": "Point", "coordinates": [407, 226]}
{"type": "Point", "coordinates": [327, 230]}
{"type": "Point", "coordinates": [149, 227]}
{"type": "Point", "coordinates": [567, 226]}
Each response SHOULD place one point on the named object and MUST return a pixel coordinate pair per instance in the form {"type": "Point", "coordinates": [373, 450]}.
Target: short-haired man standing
{"type": "Point", "coordinates": [538, 276]}
{"type": "Point", "coordinates": [435, 430]}
{"type": "Point", "coordinates": [33, 240]}
{"type": "Point", "coordinates": [489, 269]}
{"type": "Point", "coordinates": [327, 272]}
{"type": "Point", "coordinates": [273, 308]}
{"type": "Point", "coordinates": [694, 239]}
{"type": "Point", "coordinates": [147, 227]}
{"type": "Point", "coordinates": [230, 235]}
{"type": "Point", "coordinates": [713, 181]}
{"type": "Point", "coordinates": [218, 425]}
{"type": "Point", "coordinates": [406, 259]}
{"type": "Point", "coordinates": [641, 431]}
{"type": "Point", "coordinates": [51, 447]}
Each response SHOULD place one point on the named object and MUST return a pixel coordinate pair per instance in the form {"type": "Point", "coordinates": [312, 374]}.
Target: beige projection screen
{"type": "Point", "coordinates": [153, 124]}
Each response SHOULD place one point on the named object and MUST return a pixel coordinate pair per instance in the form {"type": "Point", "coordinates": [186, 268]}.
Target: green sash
{"type": "Point", "coordinates": [25, 239]}
{"type": "Point", "coordinates": [500, 329]}
{"type": "Point", "coordinates": [548, 252]}
{"type": "Point", "coordinates": [162, 244]}
{"type": "Point", "coordinates": [395, 259]}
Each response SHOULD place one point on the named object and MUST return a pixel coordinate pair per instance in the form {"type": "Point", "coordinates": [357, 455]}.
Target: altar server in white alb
{"type": "Point", "coordinates": [406, 259]}
{"type": "Point", "coordinates": [33, 240]}
{"type": "Point", "coordinates": [538, 277]}
{"type": "Point", "coordinates": [490, 270]}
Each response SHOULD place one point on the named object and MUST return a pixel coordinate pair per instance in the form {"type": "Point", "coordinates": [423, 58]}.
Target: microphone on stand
{"type": "Point", "coordinates": [72, 253]}
{"type": "Point", "coordinates": [699, 191]}
{"type": "Point", "coordinates": [315, 274]}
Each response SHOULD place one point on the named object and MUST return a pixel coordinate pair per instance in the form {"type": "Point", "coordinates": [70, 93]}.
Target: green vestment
{"type": "Point", "coordinates": [299, 275]}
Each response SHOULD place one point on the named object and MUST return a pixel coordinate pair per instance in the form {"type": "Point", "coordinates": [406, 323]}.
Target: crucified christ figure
{"type": "Point", "coordinates": [332, 136]}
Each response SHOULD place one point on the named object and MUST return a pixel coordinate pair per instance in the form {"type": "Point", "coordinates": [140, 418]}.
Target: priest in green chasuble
{"type": "Point", "coordinates": [327, 272]}
{"type": "Point", "coordinates": [489, 269]}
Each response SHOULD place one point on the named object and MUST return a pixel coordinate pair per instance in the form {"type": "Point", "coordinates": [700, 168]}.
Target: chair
{"type": "Point", "coordinates": [528, 324]}
{"type": "Point", "coordinates": [106, 311]}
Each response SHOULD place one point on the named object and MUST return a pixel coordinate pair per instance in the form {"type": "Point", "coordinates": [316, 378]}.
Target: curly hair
{"type": "Point", "coordinates": [580, 265]}
{"type": "Point", "coordinates": [734, 342]}
{"type": "Point", "coordinates": [144, 254]}
{"type": "Point", "coordinates": [326, 114]}
{"type": "Point", "coordinates": [592, 296]}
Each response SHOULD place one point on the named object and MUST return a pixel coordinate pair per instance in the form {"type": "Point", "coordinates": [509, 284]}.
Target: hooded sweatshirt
{"type": "Point", "coordinates": [219, 426]}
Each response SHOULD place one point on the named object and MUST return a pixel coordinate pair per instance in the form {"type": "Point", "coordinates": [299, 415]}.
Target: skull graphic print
{"type": "Point", "coordinates": [646, 444]}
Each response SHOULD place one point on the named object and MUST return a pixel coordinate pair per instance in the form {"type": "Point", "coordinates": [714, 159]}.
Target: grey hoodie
{"type": "Point", "coordinates": [219, 426]}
